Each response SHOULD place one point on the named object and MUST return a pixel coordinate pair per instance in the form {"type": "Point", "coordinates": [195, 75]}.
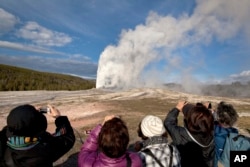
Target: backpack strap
{"type": "Point", "coordinates": [171, 155]}
{"type": "Point", "coordinates": [129, 162]}
{"type": "Point", "coordinates": [239, 135]}
{"type": "Point", "coordinates": [148, 152]}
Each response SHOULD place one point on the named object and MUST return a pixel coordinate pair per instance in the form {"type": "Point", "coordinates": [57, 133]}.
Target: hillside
{"type": "Point", "coordinates": [18, 79]}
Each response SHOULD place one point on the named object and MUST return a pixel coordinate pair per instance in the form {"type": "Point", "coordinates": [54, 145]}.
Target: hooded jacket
{"type": "Point", "coordinates": [28, 143]}
{"type": "Point", "coordinates": [90, 156]}
{"type": "Point", "coordinates": [195, 150]}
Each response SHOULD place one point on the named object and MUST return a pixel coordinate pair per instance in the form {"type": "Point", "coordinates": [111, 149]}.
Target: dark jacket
{"type": "Point", "coordinates": [195, 150]}
{"type": "Point", "coordinates": [43, 152]}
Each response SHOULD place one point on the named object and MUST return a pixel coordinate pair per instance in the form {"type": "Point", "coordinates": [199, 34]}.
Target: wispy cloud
{"type": "Point", "coordinates": [43, 36]}
{"type": "Point", "coordinates": [7, 21]}
{"type": "Point", "coordinates": [57, 65]}
{"type": "Point", "coordinates": [29, 48]}
{"type": "Point", "coordinates": [37, 36]}
{"type": "Point", "coordinates": [37, 39]}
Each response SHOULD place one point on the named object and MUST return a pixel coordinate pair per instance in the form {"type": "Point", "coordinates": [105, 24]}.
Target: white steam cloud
{"type": "Point", "coordinates": [132, 63]}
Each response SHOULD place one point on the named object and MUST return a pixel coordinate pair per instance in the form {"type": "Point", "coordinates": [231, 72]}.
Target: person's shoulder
{"type": "Point", "coordinates": [133, 155]}
{"type": "Point", "coordinates": [135, 158]}
{"type": "Point", "coordinates": [233, 130]}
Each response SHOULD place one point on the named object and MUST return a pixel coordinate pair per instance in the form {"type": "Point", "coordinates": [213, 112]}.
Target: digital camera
{"type": "Point", "coordinates": [44, 109]}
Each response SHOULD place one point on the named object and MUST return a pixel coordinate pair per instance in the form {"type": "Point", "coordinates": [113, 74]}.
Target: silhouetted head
{"type": "Point", "coordinates": [199, 120]}
{"type": "Point", "coordinates": [25, 120]}
{"type": "Point", "coordinates": [114, 138]}
{"type": "Point", "coordinates": [226, 114]}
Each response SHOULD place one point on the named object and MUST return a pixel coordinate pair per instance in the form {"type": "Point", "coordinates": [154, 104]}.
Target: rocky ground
{"type": "Point", "coordinates": [87, 108]}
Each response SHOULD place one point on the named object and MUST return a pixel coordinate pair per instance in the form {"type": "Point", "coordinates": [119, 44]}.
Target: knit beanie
{"type": "Point", "coordinates": [152, 126]}
{"type": "Point", "coordinates": [25, 120]}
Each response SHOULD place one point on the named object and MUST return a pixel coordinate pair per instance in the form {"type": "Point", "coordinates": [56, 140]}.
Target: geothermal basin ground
{"type": "Point", "coordinates": [87, 108]}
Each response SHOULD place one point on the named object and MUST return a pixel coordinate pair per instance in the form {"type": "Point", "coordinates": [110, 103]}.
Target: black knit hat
{"type": "Point", "coordinates": [25, 120]}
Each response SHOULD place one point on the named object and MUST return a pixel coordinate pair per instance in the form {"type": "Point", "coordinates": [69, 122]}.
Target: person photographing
{"type": "Point", "coordinates": [25, 141]}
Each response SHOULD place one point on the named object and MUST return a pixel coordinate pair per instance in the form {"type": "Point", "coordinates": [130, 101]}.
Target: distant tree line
{"type": "Point", "coordinates": [21, 79]}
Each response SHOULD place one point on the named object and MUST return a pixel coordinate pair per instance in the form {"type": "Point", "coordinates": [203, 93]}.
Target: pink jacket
{"type": "Point", "coordinates": [89, 155]}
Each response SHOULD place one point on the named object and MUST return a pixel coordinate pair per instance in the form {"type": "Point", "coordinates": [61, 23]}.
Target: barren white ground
{"type": "Point", "coordinates": [79, 104]}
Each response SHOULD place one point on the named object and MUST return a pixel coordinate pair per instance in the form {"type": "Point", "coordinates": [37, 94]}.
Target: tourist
{"type": "Point", "coordinates": [226, 118]}
{"type": "Point", "coordinates": [107, 145]}
{"type": "Point", "coordinates": [154, 148]}
{"type": "Point", "coordinates": [194, 140]}
{"type": "Point", "coordinates": [25, 142]}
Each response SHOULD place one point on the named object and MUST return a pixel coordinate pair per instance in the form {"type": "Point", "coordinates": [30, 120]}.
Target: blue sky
{"type": "Point", "coordinates": [129, 42]}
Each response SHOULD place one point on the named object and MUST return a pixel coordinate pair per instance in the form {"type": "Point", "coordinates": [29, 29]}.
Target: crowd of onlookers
{"type": "Point", "coordinates": [198, 143]}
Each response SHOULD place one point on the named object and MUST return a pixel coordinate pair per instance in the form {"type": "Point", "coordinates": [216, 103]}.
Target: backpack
{"type": "Point", "coordinates": [234, 142]}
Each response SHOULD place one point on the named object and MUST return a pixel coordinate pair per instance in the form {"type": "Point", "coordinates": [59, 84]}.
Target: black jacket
{"type": "Point", "coordinates": [48, 150]}
{"type": "Point", "coordinates": [195, 150]}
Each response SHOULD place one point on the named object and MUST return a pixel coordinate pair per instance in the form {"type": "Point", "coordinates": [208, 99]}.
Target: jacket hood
{"type": "Point", "coordinates": [25, 120]}
{"type": "Point", "coordinates": [203, 141]}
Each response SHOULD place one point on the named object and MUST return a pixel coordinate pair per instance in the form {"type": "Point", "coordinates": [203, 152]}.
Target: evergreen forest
{"type": "Point", "coordinates": [20, 79]}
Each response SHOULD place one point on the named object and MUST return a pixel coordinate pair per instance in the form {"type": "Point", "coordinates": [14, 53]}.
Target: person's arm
{"type": "Point", "coordinates": [89, 150]}
{"type": "Point", "coordinates": [63, 139]}
{"type": "Point", "coordinates": [171, 122]}
{"type": "Point", "coordinates": [172, 116]}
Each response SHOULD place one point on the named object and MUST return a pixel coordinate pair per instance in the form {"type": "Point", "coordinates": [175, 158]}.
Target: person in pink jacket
{"type": "Point", "coordinates": [106, 146]}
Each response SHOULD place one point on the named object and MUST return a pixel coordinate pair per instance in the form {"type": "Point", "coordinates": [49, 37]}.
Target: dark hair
{"type": "Point", "coordinates": [199, 120]}
{"type": "Point", "coordinates": [114, 138]}
{"type": "Point", "coordinates": [226, 113]}
{"type": "Point", "coordinates": [186, 108]}
{"type": "Point", "coordinates": [140, 134]}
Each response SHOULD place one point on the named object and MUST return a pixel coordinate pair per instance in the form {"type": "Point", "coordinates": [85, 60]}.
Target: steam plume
{"type": "Point", "coordinates": [153, 52]}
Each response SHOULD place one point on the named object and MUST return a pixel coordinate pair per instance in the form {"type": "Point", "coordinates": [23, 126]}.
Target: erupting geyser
{"type": "Point", "coordinates": [166, 47]}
